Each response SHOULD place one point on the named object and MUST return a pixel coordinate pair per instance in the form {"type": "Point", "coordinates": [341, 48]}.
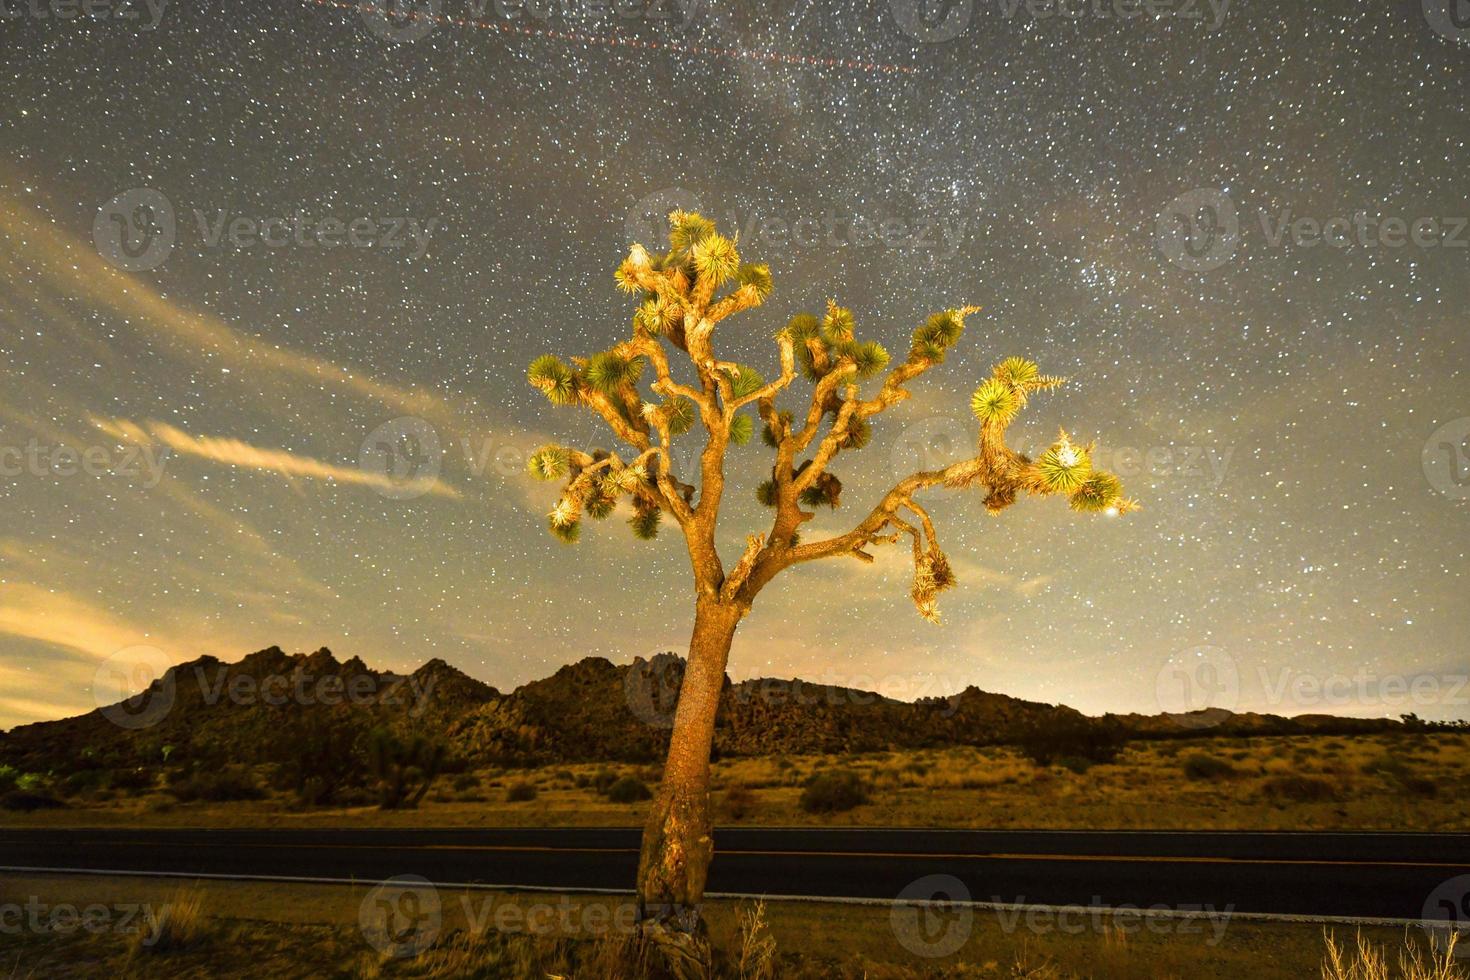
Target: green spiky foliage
{"type": "Point", "coordinates": [716, 258]}
{"type": "Point", "coordinates": [802, 327]}
{"type": "Point", "coordinates": [549, 463]}
{"type": "Point", "coordinates": [687, 229]}
{"type": "Point", "coordinates": [681, 415]}
{"type": "Point", "coordinates": [837, 325]}
{"type": "Point", "coordinates": [1099, 493]}
{"type": "Point", "coordinates": [599, 506]}
{"type": "Point", "coordinates": [859, 433]}
{"type": "Point", "coordinates": [995, 401]}
{"type": "Point", "coordinates": [569, 532]}
{"type": "Point", "coordinates": [869, 356]}
{"type": "Point", "coordinates": [553, 379]}
{"type": "Point", "coordinates": [757, 277]}
{"type": "Point", "coordinates": [745, 381]}
{"type": "Point", "coordinates": [742, 427]}
{"type": "Point", "coordinates": [766, 493]}
{"type": "Point", "coordinates": [610, 371]}
{"type": "Point", "coordinates": [1064, 466]}
{"type": "Point", "coordinates": [645, 524]}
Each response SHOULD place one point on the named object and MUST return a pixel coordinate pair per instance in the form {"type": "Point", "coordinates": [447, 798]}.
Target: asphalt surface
{"type": "Point", "coordinates": [1372, 875]}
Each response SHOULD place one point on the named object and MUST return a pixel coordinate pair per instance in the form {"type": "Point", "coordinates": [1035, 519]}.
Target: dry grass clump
{"type": "Point", "coordinates": [182, 926]}
{"type": "Point", "coordinates": [1368, 961]}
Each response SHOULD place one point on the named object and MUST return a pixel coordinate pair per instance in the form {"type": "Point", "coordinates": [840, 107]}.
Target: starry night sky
{"type": "Point", "coordinates": [1275, 413]}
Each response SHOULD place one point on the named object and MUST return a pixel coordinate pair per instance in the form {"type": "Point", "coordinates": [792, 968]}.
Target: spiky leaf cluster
{"type": "Point", "coordinates": [742, 427]}
{"type": "Point", "coordinates": [995, 402]}
{"type": "Point", "coordinates": [553, 379]}
{"type": "Point", "coordinates": [932, 575]}
{"type": "Point", "coordinates": [610, 371]}
{"type": "Point", "coordinates": [549, 463]}
{"type": "Point", "coordinates": [1063, 467]}
{"type": "Point", "coordinates": [644, 523]}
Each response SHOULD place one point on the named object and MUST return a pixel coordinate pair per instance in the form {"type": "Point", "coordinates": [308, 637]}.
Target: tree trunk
{"type": "Point", "coordinates": [677, 843]}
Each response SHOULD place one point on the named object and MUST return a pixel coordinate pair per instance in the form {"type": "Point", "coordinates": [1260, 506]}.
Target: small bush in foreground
{"type": "Point", "coordinates": [224, 786]}
{"type": "Point", "coordinates": [1370, 962]}
{"type": "Point", "coordinates": [628, 790]}
{"type": "Point", "coordinates": [24, 802]}
{"type": "Point", "coordinates": [1207, 767]}
{"type": "Point", "coordinates": [1076, 737]}
{"type": "Point", "coordinates": [834, 791]}
{"type": "Point", "coordinates": [520, 793]}
{"type": "Point", "coordinates": [1298, 789]}
{"type": "Point", "coordinates": [737, 802]}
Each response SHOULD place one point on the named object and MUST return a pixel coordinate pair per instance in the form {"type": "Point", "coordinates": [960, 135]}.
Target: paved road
{"type": "Point", "coordinates": [1330, 874]}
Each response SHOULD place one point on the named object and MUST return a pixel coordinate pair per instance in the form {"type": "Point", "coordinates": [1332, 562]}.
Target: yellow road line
{"type": "Point", "coordinates": [912, 855]}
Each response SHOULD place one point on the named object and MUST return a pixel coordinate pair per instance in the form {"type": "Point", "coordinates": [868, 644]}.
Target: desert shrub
{"type": "Point", "coordinates": [1299, 789]}
{"type": "Point", "coordinates": [84, 782]}
{"type": "Point", "coordinates": [628, 790]}
{"type": "Point", "coordinates": [8, 777]}
{"type": "Point", "coordinates": [465, 782]}
{"type": "Point", "coordinates": [183, 928]}
{"type": "Point", "coordinates": [131, 779]}
{"type": "Point", "coordinates": [1075, 763]}
{"type": "Point", "coordinates": [1072, 736]}
{"type": "Point", "coordinates": [220, 786]}
{"type": "Point", "coordinates": [563, 774]}
{"type": "Point", "coordinates": [833, 791]}
{"type": "Point", "coordinates": [603, 779]}
{"type": "Point", "coordinates": [320, 755]}
{"type": "Point", "coordinates": [522, 792]}
{"type": "Point", "coordinates": [1207, 767]}
{"type": "Point", "coordinates": [737, 802]}
{"type": "Point", "coordinates": [25, 802]}
{"type": "Point", "coordinates": [1370, 961]}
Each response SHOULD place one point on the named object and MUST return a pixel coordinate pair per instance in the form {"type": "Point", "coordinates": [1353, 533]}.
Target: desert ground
{"type": "Point", "coordinates": [1407, 781]}
{"type": "Point", "coordinates": [229, 928]}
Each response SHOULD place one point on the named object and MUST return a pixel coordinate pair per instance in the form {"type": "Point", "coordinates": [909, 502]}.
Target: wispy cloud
{"type": "Point", "coordinates": [234, 452]}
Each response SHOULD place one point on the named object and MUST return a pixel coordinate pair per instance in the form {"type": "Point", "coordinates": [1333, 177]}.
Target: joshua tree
{"type": "Point", "coordinates": [405, 768]}
{"type": "Point", "coordinates": [683, 295]}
